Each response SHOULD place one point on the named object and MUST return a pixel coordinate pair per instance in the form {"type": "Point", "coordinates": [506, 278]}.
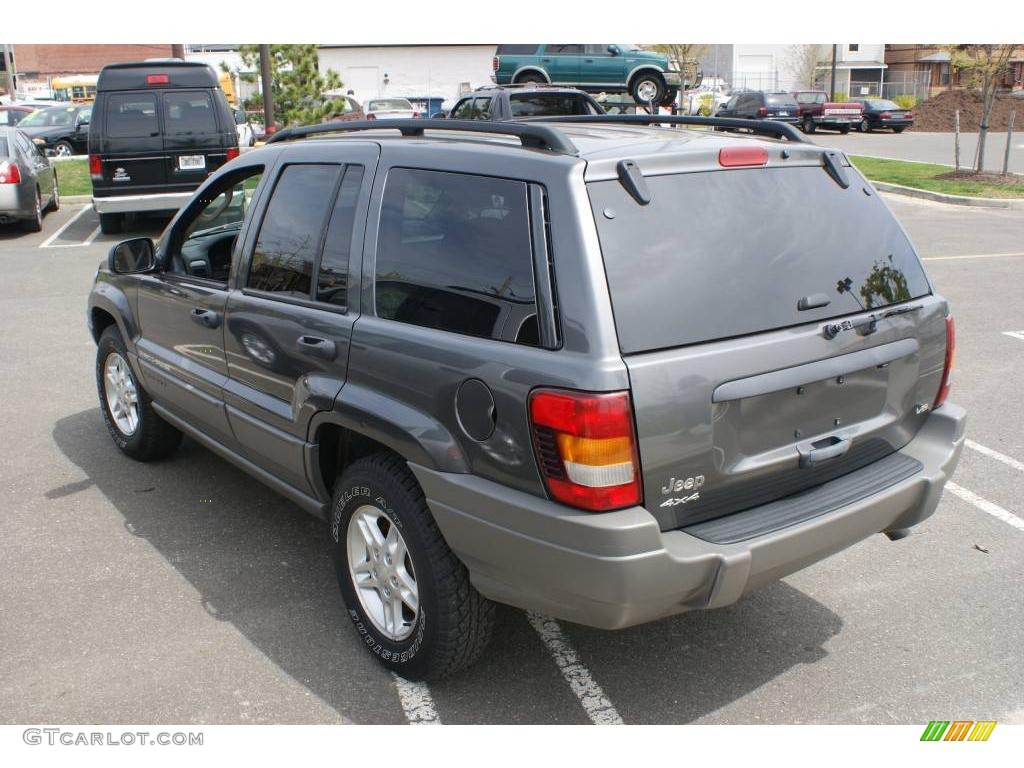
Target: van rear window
{"type": "Point", "coordinates": [131, 115]}
{"type": "Point", "coordinates": [189, 112]}
{"type": "Point", "coordinates": [728, 253]}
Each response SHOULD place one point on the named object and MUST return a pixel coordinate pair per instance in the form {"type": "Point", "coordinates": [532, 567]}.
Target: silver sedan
{"type": "Point", "coordinates": [28, 182]}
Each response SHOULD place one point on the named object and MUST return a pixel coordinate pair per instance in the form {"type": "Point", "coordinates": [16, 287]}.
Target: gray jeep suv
{"type": "Point", "coordinates": [596, 368]}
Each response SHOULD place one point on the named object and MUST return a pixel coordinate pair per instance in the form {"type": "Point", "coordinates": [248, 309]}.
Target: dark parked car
{"type": "Point", "coordinates": [515, 102]}
{"type": "Point", "coordinates": [500, 373]}
{"type": "Point", "coordinates": [64, 130]}
{"type": "Point", "coordinates": [882, 113]}
{"type": "Point", "coordinates": [762, 105]}
{"type": "Point", "coordinates": [646, 75]}
{"type": "Point", "coordinates": [159, 129]}
{"type": "Point", "coordinates": [28, 183]}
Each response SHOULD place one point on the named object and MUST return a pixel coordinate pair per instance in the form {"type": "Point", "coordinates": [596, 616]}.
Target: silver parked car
{"type": "Point", "coordinates": [28, 183]}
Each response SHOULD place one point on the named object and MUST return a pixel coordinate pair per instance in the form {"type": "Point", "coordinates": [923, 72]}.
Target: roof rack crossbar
{"type": "Point", "coordinates": [765, 127]}
{"type": "Point", "coordinates": [532, 136]}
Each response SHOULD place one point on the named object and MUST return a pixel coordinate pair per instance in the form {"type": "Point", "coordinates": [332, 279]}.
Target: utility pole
{"type": "Point", "coordinates": [265, 85]}
{"type": "Point", "coordinates": [832, 92]}
{"type": "Point", "coordinates": [8, 69]}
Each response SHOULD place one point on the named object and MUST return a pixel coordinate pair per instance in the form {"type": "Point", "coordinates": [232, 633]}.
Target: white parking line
{"type": "Point", "coordinates": [417, 703]}
{"type": "Point", "coordinates": [1015, 334]}
{"type": "Point", "coordinates": [973, 256]}
{"type": "Point", "coordinates": [597, 706]}
{"type": "Point", "coordinates": [1007, 460]}
{"type": "Point", "coordinates": [986, 506]}
{"type": "Point", "coordinates": [59, 232]}
{"type": "Point", "coordinates": [93, 236]}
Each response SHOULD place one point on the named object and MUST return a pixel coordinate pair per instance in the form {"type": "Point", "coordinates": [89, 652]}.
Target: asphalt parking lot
{"type": "Point", "coordinates": [185, 592]}
{"type": "Point", "coordinates": [927, 147]}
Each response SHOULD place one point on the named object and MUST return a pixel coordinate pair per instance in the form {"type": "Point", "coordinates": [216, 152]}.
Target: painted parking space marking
{"type": "Point", "coordinates": [1007, 460]}
{"type": "Point", "coordinates": [597, 706]}
{"type": "Point", "coordinates": [47, 243]}
{"type": "Point", "coordinates": [986, 506]}
{"type": "Point", "coordinates": [417, 702]}
{"type": "Point", "coordinates": [974, 256]}
{"type": "Point", "coordinates": [1014, 334]}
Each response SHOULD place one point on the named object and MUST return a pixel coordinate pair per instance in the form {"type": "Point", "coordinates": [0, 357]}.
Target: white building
{"type": "Point", "coordinates": [373, 71]}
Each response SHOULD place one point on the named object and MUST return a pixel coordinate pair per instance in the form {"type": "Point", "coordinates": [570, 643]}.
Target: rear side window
{"type": "Point", "coordinates": [463, 110]}
{"type": "Point", "coordinates": [518, 50]}
{"type": "Point", "coordinates": [564, 49]}
{"type": "Point", "coordinates": [332, 276]}
{"type": "Point", "coordinates": [454, 253]}
{"type": "Point", "coordinates": [131, 115]}
{"type": "Point", "coordinates": [189, 112]}
{"type": "Point", "coordinates": [538, 104]}
{"type": "Point", "coordinates": [289, 238]}
{"type": "Point", "coordinates": [729, 253]}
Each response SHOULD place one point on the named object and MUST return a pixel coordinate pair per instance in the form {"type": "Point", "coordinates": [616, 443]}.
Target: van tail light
{"type": "Point", "coordinates": [947, 370]}
{"type": "Point", "coordinates": [9, 173]}
{"type": "Point", "coordinates": [232, 153]}
{"type": "Point", "coordinates": [495, 63]}
{"type": "Point", "coordinates": [586, 448]}
{"type": "Point", "coordinates": [762, 111]}
{"type": "Point", "coordinates": [735, 157]}
{"type": "Point", "coordinates": [95, 167]}
{"type": "Point", "coordinates": [157, 79]}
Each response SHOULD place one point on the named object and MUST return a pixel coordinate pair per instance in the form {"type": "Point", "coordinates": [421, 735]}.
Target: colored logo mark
{"type": "Point", "coordinates": [958, 730]}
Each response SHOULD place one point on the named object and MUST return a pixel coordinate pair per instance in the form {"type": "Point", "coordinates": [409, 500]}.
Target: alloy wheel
{"type": "Point", "coordinates": [121, 394]}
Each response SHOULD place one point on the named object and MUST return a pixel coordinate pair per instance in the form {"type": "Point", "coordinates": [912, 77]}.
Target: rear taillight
{"type": "Point", "coordinates": [947, 370]}
{"type": "Point", "coordinates": [734, 157]}
{"type": "Point", "coordinates": [232, 153]}
{"type": "Point", "coordinates": [9, 173]}
{"type": "Point", "coordinates": [586, 448]}
{"type": "Point", "coordinates": [885, 115]}
{"type": "Point", "coordinates": [95, 166]}
{"type": "Point", "coordinates": [909, 115]}
{"type": "Point", "coordinates": [495, 63]}
{"type": "Point", "coordinates": [762, 111]}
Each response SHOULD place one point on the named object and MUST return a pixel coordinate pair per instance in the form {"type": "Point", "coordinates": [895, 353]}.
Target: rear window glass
{"type": "Point", "coordinates": [810, 98]}
{"type": "Point", "coordinates": [728, 253]}
{"type": "Point", "coordinates": [131, 115]}
{"type": "Point", "coordinates": [884, 104]}
{"type": "Point", "coordinates": [518, 50]}
{"type": "Point", "coordinates": [537, 104]}
{"type": "Point", "coordinates": [778, 98]}
{"type": "Point", "coordinates": [189, 112]}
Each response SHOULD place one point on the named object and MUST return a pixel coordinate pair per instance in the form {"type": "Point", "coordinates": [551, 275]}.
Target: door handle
{"type": "Point", "coordinates": [318, 347]}
{"type": "Point", "coordinates": [823, 450]}
{"type": "Point", "coordinates": [205, 317]}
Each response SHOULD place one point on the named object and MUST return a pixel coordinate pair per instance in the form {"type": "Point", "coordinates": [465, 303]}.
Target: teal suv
{"type": "Point", "coordinates": [646, 75]}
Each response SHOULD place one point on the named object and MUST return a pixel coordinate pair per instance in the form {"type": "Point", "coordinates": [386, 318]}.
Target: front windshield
{"type": "Point", "coordinates": [629, 47]}
{"type": "Point", "coordinates": [48, 118]}
{"type": "Point", "coordinates": [390, 104]}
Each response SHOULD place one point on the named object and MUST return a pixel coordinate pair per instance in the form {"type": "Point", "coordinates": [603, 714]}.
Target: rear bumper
{"type": "Point", "coordinates": [16, 203]}
{"type": "Point", "coordinates": [170, 201]}
{"type": "Point", "coordinates": [900, 123]}
{"type": "Point", "coordinates": [617, 569]}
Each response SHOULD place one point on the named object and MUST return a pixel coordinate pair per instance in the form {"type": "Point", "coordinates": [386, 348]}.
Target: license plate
{"type": "Point", "coordinates": [783, 114]}
{"type": "Point", "coordinates": [191, 162]}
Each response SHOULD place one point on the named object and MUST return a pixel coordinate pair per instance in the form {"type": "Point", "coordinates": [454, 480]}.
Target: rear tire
{"type": "Point", "coordinates": [35, 224]}
{"type": "Point", "coordinates": [530, 77]}
{"type": "Point", "coordinates": [55, 202]}
{"type": "Point", "coordinates": [898, 130]}
{"type": "Point", "coordinates": [149, 438]}
{"type": "Point", "coordinates": [864, 126]}
{"type": "Point", "coordinates": [844, 130]}
{"type": "Point", "coordinates": [808, 125]}
{"type": "Point", "coordinates": [111, 223]}
{"type": "Point", "coordinates": [378, 509]}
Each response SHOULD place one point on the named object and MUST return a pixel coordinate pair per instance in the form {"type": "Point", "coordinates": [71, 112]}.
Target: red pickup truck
{"type": "Point", "coordinates": [816, 111]}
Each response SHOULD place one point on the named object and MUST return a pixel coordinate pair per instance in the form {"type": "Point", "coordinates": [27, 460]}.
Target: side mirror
{"type": "Point", "coordinates": [132, 256]}
{"type": "Point", "coordinates": [614, 50]}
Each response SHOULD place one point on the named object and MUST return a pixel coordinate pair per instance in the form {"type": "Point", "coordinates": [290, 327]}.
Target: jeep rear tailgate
{"type": "Point", "coordinates": [722, 288]}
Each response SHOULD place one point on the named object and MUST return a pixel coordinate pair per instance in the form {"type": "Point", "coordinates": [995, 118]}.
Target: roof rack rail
{"type": "Point", "coordinates": [766, 127]}
{"type": "Point", "coordinates": [532, 136]}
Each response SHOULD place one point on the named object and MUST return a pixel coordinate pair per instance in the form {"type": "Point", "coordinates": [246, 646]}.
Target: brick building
{"type": "Point", "coordinates": [37, 65]}
{"type": "Point", "coordinates": [931, 63]}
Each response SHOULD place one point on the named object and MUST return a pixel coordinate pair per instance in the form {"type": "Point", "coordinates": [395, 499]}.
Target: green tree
{"type": "Point", "coordinates": [981, 67]}
{"type": "Point", "coordinates": [297, 84]}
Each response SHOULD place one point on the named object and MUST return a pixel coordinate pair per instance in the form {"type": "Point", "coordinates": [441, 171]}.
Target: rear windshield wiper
{"type": "Point", "coordinates": [868, 325]}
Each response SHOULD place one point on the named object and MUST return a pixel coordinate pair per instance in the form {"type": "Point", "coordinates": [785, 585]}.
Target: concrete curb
{"type": "Point", "coordinates": [939, 197]}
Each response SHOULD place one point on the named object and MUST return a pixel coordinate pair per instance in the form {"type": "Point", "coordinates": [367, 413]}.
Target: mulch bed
{"type": "Point", "coordinates": [936, 114]}
{"type": "Point", "coordinates": [1009, 180]}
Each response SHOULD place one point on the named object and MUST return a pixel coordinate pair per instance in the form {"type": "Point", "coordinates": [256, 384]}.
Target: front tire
{"type": "Point", "coordinates": [137, 429]}
{"type": "Point", "coordinates": [63, 149]}
{"type": "Point", "coordinates": [111, 223]}
{"type": "Point", "coordinates": [530, 77]}
{"type": "Point", "coordinates": [407, 594]}
{"type": "Point", "coordinates": [648, 87]}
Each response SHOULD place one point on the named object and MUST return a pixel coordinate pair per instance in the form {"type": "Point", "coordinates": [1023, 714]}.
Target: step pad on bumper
{"type": "Point", "coordinates": [799, 507]}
